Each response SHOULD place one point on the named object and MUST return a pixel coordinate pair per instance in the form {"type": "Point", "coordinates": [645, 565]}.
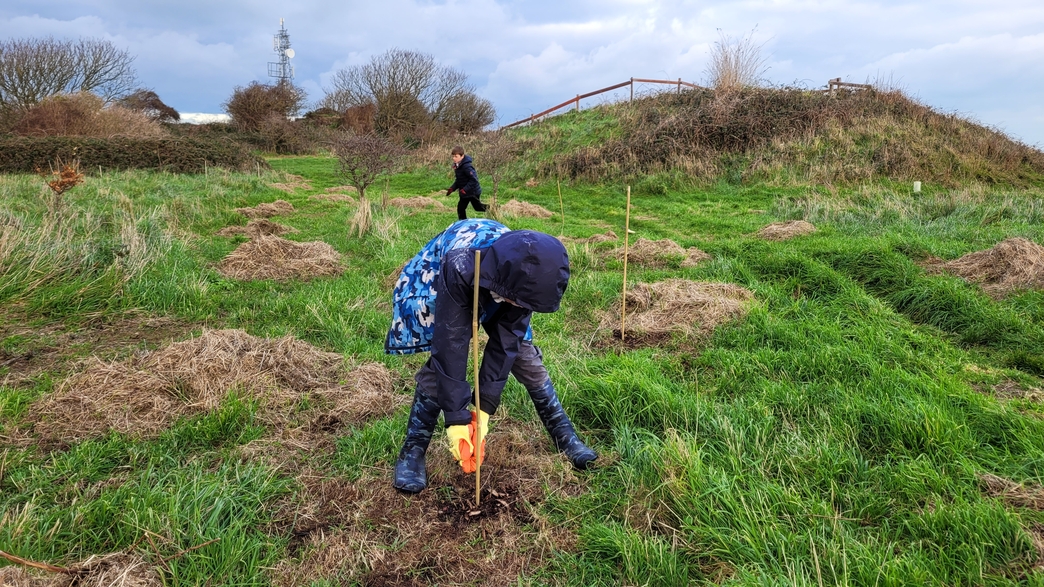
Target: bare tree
{"type": "Point", "coordinates": [496, 151]}
{"type": "Point", "coordinates": [736, 62]}
{"type": "Point", "coordinates": [408, 90]}
{"type": "Point", "coordinates": [252, 105]}
{"type": "Point", "coordinates": [363, 158]}
{"type": "Point", "coordinates": [32, 69]}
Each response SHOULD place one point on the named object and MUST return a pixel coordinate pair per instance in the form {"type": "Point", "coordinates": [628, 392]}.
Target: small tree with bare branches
{"type": "Point", "coordinates": [736, 62]}
{"type": "Point", "coordinates": [496, 151]}
{"type": "Point", "coordinates": [362, 159]}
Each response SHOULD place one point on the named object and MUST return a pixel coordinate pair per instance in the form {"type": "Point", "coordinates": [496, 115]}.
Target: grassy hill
{"type": "Point", "coordinates": [867, 419]}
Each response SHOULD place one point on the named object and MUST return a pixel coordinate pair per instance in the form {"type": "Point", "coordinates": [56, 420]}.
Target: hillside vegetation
{"type": "Point", "coordinates": [781, 135]}
{"type": "Point", "coordinates": [833, 405]}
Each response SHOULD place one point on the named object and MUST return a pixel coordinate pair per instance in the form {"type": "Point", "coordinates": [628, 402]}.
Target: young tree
{"type": "Point", "coordinates": [32, 69]}
{"type": "Point", "coordinates": [496, 151]}
{"type": "Point", "coordinates": [363, 158]}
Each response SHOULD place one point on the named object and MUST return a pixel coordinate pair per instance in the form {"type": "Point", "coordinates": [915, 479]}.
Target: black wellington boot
{"type": "Point", "coordinates": [559, 427]}
{"type": "Point", "coordinates": [410, 473]}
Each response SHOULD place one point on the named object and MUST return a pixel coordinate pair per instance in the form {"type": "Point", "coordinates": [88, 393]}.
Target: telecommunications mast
{"type": "Point", "coordinates": [282, 70]}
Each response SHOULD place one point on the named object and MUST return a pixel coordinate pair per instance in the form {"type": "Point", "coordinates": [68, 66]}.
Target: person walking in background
{"type": "Point", "coordinates": [520, 272]}
{"type": "Point", "coordinates": [466, 181]}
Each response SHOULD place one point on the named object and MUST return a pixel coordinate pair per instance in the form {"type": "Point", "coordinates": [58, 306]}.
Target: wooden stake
{"type": "Point", "coordinates": [623, 297]}
{"type": "Point", "coordinates": [561, 206]}
{"type": "Point", "coordinates": [475, 360]}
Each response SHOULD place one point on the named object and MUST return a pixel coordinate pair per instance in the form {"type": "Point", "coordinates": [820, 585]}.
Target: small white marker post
{"type": "Point", "coordinates": [917, 187]}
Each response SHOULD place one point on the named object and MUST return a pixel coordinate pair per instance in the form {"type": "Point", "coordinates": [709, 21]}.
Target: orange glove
{"type": "Point", "coordinates": [462, 441]}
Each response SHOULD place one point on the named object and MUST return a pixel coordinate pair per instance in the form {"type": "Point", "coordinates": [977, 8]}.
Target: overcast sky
{"type": "Point", "coordinates": [983, 60]}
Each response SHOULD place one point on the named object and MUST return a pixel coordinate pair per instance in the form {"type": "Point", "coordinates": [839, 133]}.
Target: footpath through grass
{"type": "Point", "coordinates": [839, 434]}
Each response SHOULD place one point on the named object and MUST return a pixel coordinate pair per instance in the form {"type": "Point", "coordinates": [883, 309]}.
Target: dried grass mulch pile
{"type": "Point", "coordinates": [519, 208]}
{"type": "Point", "coordinates": [267, 209]}
{"type": "Point", "coordinates": [257, 227]}
{"type": "Point", "coordinates": [661, 253]}
{"type": "Point", "coordinates": [1012, 493]}
{"type": "Point", "coordinates": [781, 231]}
{"type": "Point", "coordinates": [1012, 265]}
{"type": "Point", "coordinates": [366, 532]}
{"type": "Point", "coordinates": [333, 198]}
{"type": "Point", "coordinates": [117, 569]}
{"type": "Point", "coordinates": [143, 395]}
{"type": "Point", "coordinates": [593, 239]}
{"type": "Point", "coordinates": [272, 257]}
{"type": "Point", "coordinates": [292, 184]}
{"type": "Point", "coordinates": [416, 202]}
{"type": "Point", "coordinates": [679, 305]}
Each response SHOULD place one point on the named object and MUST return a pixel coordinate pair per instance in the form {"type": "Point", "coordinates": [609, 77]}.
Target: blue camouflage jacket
{"type": "Point", "coordinates": [527, 267]}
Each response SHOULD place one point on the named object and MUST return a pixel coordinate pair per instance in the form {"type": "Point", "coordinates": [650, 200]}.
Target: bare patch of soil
{"type": "Point", "coordinates": [661, 253]}
{"type": "Point", "coordinates": [416, 202]}
{"type": "Point", "coordinates": [267, 209]}
{"type": "Point", "coordinates": [781, 231]}
{"type": "Point", "coordinates": [677, 305]}
{"type": "Point", "coordinates": [1009, 389]}
{"type": "Point", "coordinates": [369, 533]}
{"type": "Point", "coordinates": [143, 395]}
{"type": "Point", "coordinates": [272, 257]}
{"type": "Point", "coordinates": [1030, 496]}
{"type": "Point", "coordinates": [519, 208]}
{"type": "Point", "coordinates": [117, 569]}
{"type": "Point", "coordinates": [1014, 264]}
{"type": "Point", "coordinates": [58, 348]}
{"type": "Point", "coordinates": [257, 227]}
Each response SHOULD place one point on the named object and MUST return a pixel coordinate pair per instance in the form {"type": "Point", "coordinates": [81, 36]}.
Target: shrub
{"type": "Point", "coordinates": [26, 154]}
{"type": "Point", "coordinates": [251, 106]}
{"type": "Point", "coordinates": [85, 115]}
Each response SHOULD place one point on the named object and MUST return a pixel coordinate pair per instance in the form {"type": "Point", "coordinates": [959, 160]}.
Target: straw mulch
{"type": "Point", "coordinates": [1015, 494]}
{"type": "Point", "coordinates": [334, 198]}
{"type": "Point", "coordinates": [267, 209]}
{"type": "Point", "coordinates": [593, 239]}
{"type": "Point", "coordinates": [367, 533]}
{"type": "Point", "coordinates": [341, 189]}
{"type": "Point", "coordinates": [117, 569]}
{"type": "Point", "coordinates": [293, 183]}
{"type": "Point", "coordinates": [781, 231]}
{"type": "Point", "coordinates": [257, 227]}
{"type": "Point", "coordinates": [1013, 265]}
{"type": "Point", "coordinates": [143, 395]}
{"type": "Point", "coordinates": [518, 208]}
{"type": "Point", "coordinates": [680, 305]}
{"type": "Point", "coordinates": [272, 257]}
{"type": "Point", "coordinates": [416, 202]}
{"type": "Point", "coordinates": [661, 253]}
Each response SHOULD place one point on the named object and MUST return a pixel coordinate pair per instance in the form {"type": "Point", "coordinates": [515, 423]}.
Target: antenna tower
{"type": "Point", "coordinates": [282, 70]}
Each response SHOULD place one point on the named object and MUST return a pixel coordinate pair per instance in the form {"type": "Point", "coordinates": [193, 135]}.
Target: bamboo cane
{"type": "Point", "coordinates": [475, 361]}
{"type": "Point", "coordinates": [561, 206]}
{"type": "Point", "coordinates": [623, 297]}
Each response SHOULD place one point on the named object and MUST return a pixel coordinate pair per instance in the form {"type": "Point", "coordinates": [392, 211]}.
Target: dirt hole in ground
{"type": "Point", "coordinates": [1030, 495]}
{"type": "Point", "coordinates": [143, 395]}
{"type": "Point", "coordinates": [272, 257]}
{"type": "Point", "coordinates": [655, 310]}
{"type": "Point", "coordinates": [257, 227]}
{"type": "Point", "coordinates": [781, 231]}
{"type": "Point", "coordinates": [1014, 264]}
{"type": "Point", "coordinates": [519, 208]}
{"type": "Point", "coordinates": [366, 532]}
{"type": "Point", "coordinates": [416, 202]}
{"type": "Point", "coordinates": [659, 254]}
{"type": "Point", "coordinates": [267, 209]}
{"type": "Point", "coordinates": [116, 569]}
{"type": "Point", "coordinates": [292, 184]}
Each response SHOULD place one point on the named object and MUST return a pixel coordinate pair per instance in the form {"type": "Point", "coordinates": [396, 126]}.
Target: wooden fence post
{"type": "Point", "coordinates": [632, 89]}
{"type": "Point", "coordinates": [578, 102]}
{"type": "Point", "coordinates": [679, 85]}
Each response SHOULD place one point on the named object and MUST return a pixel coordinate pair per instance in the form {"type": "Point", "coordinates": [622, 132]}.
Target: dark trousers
{"type": "Point", "coordinates": [462, 206]}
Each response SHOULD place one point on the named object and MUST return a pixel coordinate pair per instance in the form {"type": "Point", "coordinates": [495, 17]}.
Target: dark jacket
{"type": "Point", "coordinates": [530, 268]}
{"type": "Point", "coordinates": [466, 179]}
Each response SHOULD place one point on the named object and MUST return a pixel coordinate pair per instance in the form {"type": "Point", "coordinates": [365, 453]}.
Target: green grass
{"type": "Point", "coordinates": [833, 436]}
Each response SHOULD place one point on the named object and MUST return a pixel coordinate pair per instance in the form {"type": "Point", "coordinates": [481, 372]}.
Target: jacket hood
{"type": "Point", "coordinates": [463, 162]}
{"type": "Point", "coordinates": [528, 267]}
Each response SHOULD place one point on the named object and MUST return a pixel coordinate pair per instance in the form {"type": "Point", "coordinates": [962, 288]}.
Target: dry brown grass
{"type": "Point", "coordinates": [661, 253]}
{"type": "Point", "coordinates": [111, 570]}
{"type": "Point", "coordinates": [257, 227]}
{"type": "Point", "coordinates": [267, 209]}
{"type": "Point", "coordinates": [1015, 494]}
{"type": "Point", "coordinates": [519, 208]}
{"type": "Point", "coordinates": [679, 305]}
{"type": "Point", "coordinates": [367, 532]}
{"type": "Point", "coordinates": [334, 198]}
{"type": "Point", "coordinates": [341, 189]}
{"type": "Point", "coordinates": [143, 395]}
{"type": "Point", "coordinates": [293, 183]}
{"type": "Point", "coordinates": [272, 257]}
{"type": "Point", "coordinates": [595, 238]}
{"type": "Point", "coordinates": [86, 115]}
{"type": "Point", "coordinates": [1013, 265]}
{"type": "Point", "coordinates": [781, 231]}
{"type": "Point", "coordinates": [416, 202]}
